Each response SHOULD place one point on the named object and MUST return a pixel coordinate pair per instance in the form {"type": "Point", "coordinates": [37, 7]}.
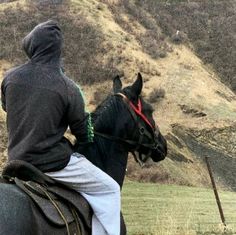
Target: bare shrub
{"type": "Point", "coordinates": [4, 1]}
{"type": "Point", "coordinates": [152, 44]}
{"type": "Point", "coordinates": [149, 173]}
{"type": "Point", "coordinates": [179, 37]}
{"type": "Point", "coordinates": [208, 25]}
{"type": "Point", "coordinates": [83, 42]}
{"type": "Point", "coordinates": [156, 95]}
{"type": "Point", "coordinates": [100, 94]}
{"type": "Point", "coordinates": [152, 40]}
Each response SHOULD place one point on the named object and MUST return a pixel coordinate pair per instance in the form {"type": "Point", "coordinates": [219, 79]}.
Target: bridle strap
{"type": "Point", "coordinates": [137, 110]}
{"type": "Point", "coordinates": [140, 159]}
{"type": "Point", "coordinates": [118, 139]}
{"type": "Point", "coordinates": [131, 107]}
{"type": "Point", "coordinates": [142, 130]}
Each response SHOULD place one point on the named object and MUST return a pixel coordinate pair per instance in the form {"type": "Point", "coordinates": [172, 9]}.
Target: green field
{"type": "Point", "coordinates": [153, 209]}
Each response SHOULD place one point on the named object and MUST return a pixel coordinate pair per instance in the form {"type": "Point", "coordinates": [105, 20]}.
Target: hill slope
{"type": "Point", "coordinates": [194, 109]}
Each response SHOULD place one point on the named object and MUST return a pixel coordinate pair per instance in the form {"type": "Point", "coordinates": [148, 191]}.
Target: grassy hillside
{"type": "Point", "coordinates": [208, 25]}
{"type": "Point", "coordinates": [193, 108]}
{"type": "Point", "coordinates": [154, 209]}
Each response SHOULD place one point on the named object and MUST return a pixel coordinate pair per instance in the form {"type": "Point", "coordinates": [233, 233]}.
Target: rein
{"type": "Point", "coordinates": [135, 112]}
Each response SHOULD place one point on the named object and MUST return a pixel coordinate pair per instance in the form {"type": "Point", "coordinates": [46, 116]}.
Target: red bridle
{"type": "Point", "coordinates": [137, 110]}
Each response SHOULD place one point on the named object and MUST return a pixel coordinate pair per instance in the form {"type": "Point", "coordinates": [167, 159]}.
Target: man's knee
{"type": "Point", "coordinates": [114, 186]}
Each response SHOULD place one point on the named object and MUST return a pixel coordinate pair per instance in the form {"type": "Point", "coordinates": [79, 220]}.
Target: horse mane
{"type": "Point", "coordinates": [109, 109]}
{"type": "Point", "coordinates": [106, 112]}
{"type": "Point", "coordinates": [99, 109]}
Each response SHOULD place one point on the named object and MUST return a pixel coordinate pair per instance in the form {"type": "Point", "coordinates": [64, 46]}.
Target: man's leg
{"type": "Point", "coordinates": [97, 226]}
{"type": "Point", "coordinates": [100, 190]}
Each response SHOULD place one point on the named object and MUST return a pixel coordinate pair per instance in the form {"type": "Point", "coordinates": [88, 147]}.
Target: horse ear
{"type": "Point", "coordinates": [117, 84]}
{"type": "Point", "coordinates": [138, 85]}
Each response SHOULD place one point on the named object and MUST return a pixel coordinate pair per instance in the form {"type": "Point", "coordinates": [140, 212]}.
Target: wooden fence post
{"type": "Point", "coordinates": [215, 192]}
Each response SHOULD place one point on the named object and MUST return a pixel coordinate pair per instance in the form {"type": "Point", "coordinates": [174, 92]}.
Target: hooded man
{"type": "Point", "coordinates": [41, 103]}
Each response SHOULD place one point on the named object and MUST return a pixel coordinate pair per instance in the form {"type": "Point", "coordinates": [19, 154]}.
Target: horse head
{"type": "Point", "coordinates": [144, 134]}
{"type": "Point", "coordinates": [132, 123]}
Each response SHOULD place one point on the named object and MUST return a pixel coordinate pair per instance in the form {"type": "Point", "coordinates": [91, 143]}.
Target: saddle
{"type": "Point", "coordinates": [59, 204]}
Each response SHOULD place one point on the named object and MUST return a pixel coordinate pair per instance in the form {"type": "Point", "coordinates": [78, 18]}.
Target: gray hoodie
{"type": "Point", "coordinates": [41, 102]}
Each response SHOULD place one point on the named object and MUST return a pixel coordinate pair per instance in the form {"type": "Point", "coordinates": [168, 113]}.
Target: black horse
{"type": "Point", "coordinates": [123, 123]}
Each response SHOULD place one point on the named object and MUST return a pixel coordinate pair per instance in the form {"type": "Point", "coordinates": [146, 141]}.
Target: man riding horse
{"type": "Point", "coordinates": [41, 103]}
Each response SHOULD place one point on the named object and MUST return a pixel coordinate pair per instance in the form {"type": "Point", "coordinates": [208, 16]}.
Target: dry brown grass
{"type": "Point", "coordinates": [190, 172]}
{"type": "Point", "coordinates": [207, 24]}
{"type": "Point", "coordinates": [83, 48]}
{"type": "Point", "coordinates": [103, 39]}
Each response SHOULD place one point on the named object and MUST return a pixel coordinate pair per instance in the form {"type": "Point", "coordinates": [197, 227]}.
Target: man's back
{"type": "Point", "coordinates": [36, 100]}
{"type": "Point", "coordinates": [41, 102]}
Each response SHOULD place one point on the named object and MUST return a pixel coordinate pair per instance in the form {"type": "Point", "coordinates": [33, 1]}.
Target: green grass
{"type": "Point", "coordinates": [153, 209]}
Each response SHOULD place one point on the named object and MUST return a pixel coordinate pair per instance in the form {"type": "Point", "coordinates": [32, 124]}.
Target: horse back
{"type": "Point", "coordinates": [16, 211]}
{"type": "Point", "coordinates": [19, 215]}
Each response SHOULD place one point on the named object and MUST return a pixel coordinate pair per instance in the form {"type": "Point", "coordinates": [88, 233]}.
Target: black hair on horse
{"type": "Point", "coordinates": [118, 130]}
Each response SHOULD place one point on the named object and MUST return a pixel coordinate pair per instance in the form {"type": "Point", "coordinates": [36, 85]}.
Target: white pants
{"type": "Point", "coordinates": [99, 189]}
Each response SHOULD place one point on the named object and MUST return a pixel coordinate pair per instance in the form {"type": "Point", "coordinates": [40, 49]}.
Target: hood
{"type": "Point", "coordinates": [43, 44]}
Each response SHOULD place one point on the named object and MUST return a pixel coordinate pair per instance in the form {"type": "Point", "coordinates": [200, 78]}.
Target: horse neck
{"type": "Point", "coordinates": [111, 157]}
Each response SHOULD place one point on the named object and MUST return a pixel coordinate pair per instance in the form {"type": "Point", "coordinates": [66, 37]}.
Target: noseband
{"type": "Point", "coordinates": [136, 111]}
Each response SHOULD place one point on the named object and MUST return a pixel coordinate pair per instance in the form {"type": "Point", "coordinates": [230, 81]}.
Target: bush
{"type": "Point", "coordinates": [83, 42]}
{"type": "Point", "coordinates": [179, 37]}
{"type": "Point", "coordinates": [208, 25]}
{"type": "Point", "coordinates": [156, 95]}
{"type": "Point", "coordinates": [152, 40]}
